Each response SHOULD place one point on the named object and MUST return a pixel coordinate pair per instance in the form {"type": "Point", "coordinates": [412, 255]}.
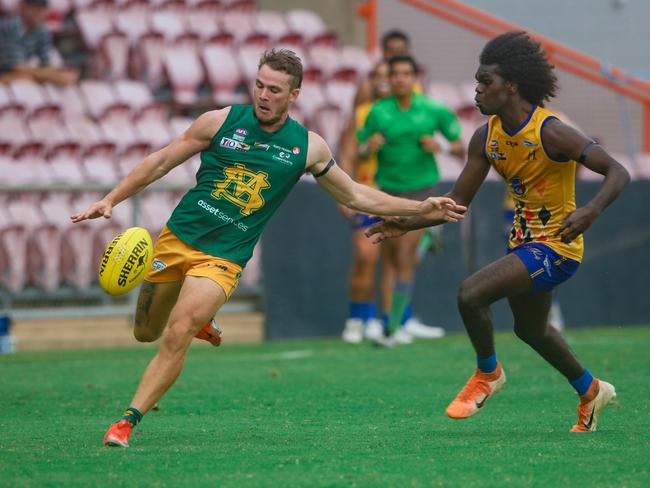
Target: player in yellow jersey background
{"type": "Point", "coordinates": [536, 154]}
{"type": "Point", "coordinates": [363, 315]}
{"type": "Point", "coordinates": [363, 310]}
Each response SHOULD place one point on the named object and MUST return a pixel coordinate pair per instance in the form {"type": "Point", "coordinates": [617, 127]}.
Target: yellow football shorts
{"type": "Point", "coordinates": [173, 260]}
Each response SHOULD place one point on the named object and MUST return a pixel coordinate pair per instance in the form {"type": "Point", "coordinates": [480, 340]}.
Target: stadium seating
{"type": "Point", "coordinates": [193, 54]}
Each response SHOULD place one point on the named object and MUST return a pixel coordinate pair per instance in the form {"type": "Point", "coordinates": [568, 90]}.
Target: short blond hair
{"type": "Point", "coordinates": [284, 60]}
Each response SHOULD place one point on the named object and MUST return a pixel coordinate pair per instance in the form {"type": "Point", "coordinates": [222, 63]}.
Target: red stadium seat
{"type": "Point", "coordinates": [43, 244]}
{"type": "Point", "coordinates": [168, 22]}
{"type": "Point", "coordinates": [48, 129]}
{"type": "Point", "coordinates": [66, 169]}
{"type": "Point", "coordinates": [137, 95]}
{"type": "Point", "coordinates": [356, 58]}
{"type": "Point", "coordinates": [100, 169]}
{"type": "Point", "coordinates": [184, 72]}
{"type": "Point", "coordinates": [239, 23]}
{"type": "Point", "coordinates": [32, 95]}
{"type": "Point", "coordinates": [132, 20]}
{"type": "Point", "coordinates": [271, 23]}
{"type": "Point", "coordinates": [94, 24]}
{"type": "Point", "coordinates": [99, 97]}
{"type": "Point", "coordinates": [13, 249]}
{"type": "Point", "coordinates": [149, 58]}
{"type": "Point", "coordinates": [76, 264]}
{"type": "Point", "coordinates": [153, 130]}
{"type": "Point", "coordinates": [112, 58]}
{"type": "Point", "coordinates": [179, 125]}
{"type": "Point", "coordinates": [203, 19]}
{"type": "Point", "coordinates": [325, 58]}
{"type": "Point", "coordinates": [341, 94]}
{"type": "Point", "coordinates": [249, 58]}
{"type": "Point", "coordinates": [156, 207]}
{"type": "Point", "coordinates": [307, 22]}
{"type": "Point", "coordinates": [70, 99]}
{"type": "Point", "coordinates": [223, 74]}
{"type": "Point", "coordinates": [312, 96]}
{"type": "Point", "coordinates": [329, 121]}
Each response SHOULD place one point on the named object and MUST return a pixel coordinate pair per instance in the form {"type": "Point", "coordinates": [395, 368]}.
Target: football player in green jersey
{"type": "Point", "coordinates": [251, 157]}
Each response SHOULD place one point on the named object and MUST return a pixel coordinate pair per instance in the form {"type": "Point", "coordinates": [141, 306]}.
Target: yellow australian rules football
{"type": "Point", "coordinates": [125, 261]}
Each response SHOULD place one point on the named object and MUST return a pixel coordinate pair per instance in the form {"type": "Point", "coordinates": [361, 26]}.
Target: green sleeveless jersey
{"type": "Point", "coordinates": [244, 176]}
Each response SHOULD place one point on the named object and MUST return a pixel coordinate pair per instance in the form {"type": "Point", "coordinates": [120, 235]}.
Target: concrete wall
{"type": "Point", "coordinates": [307, 251]}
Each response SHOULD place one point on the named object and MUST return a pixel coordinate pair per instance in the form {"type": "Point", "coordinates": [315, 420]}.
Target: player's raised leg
{"type": "Point", "coordinates": [198, 301]}
{"type": "Point", "coordinates": [505, 277]}
{"type": "Point", "coordinates": [155, 303]}
{"type": "Point", "coordinates": [531, 326]}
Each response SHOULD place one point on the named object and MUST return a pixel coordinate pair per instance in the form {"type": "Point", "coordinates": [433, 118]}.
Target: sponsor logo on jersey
{"type": "Point", "coordinates": [494, 143]}
{"type": "Point", "coordinates": [280, 148]}
{"type": "Point", "coordinates": [296, 150]}
{"type": "Point", "coordinates": [236, 145]}
{"type": "Point", "coordinates": [261, 145]}
{"type": "Point", "coordinates": [512, 143]}
{"type": "Point", "coordinates": [529, 144]}
{"type": "Point", "coordinates": [496, 155]}
{"type": "Point", "coordinates": [283, 156]}
{"type": "Point", "coordinates": [243, 188]}
{"type": "Point", "coordinates": [518, 186]}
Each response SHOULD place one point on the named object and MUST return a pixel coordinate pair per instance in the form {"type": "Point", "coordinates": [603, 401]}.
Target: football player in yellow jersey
{"type": "Point", "coordinates": [536, 154]}
{"type": "Point", "coordinates": [362, 319]}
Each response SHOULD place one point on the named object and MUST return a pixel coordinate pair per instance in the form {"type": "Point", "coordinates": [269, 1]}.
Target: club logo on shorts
{"type": "Point", "coordinates": [158, 265]}
{"type": "Point", "coordinates": [243, 188]}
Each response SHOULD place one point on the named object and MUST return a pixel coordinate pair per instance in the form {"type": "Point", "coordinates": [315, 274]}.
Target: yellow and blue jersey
{"type": "Point", "coordinates": [366, 168]}
{"type": "Point", "coordinates": [543, 189]}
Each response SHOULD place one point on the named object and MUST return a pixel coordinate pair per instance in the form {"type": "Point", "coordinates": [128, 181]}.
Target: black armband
{"type": "Point", "coordinates": [583, 154]}
{"type": "Point", "coordinates": [327, 168]}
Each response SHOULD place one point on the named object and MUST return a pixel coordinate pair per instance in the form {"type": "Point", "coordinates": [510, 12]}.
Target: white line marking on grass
{"type": "Point", "coordinates": [289, 355]}
{"type": "Point", "coordinates": [305, 353]}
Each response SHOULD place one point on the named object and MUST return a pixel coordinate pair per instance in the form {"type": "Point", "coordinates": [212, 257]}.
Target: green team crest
{"type": "Point", "coordinates": [242, 187]}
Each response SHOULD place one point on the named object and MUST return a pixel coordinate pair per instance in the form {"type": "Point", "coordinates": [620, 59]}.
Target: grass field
{"type": "Point", "coordinates": [321, 413]}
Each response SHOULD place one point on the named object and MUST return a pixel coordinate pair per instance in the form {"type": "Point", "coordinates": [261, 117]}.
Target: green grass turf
{"type": "Point", "coordinates": [327, 414]}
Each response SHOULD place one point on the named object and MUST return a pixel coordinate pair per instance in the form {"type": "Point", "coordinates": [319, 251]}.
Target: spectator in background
{"type": "Point", "coordinates": [400, 130]}
{"type": "Point", "coordinates": [25, 45]}
{"type": "Point", "coordinates": [393, 43]}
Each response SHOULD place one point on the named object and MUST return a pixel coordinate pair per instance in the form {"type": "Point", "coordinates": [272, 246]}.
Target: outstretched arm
{"type": "Point", "coordinates": [463, 192]}
{"type": "Point", "coordinates": [564, 142]}
{"type": "Point", "coordinates": [364, 199]}
{"type": "Point", "coordinates": [158, 164]}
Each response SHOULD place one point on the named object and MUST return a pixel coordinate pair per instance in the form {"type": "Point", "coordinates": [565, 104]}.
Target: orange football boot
{"type": "Point", "coordinates": [211, 333]}
{"type": "Point", "coordinates": [475, 393]}
{"type": "Point", "coordinates": [598, 396]}
{"type": "Point", "coordinates": [118, 434]}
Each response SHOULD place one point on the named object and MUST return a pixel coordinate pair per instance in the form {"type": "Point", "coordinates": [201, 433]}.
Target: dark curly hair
{"type": "Point", "coordinates": [522, 61]}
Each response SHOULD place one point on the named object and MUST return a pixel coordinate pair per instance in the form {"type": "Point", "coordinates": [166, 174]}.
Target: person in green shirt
{"type": "Point", "coordinates": [251, 157]}
{"type": "Point", "coordinates": [401, 129]}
